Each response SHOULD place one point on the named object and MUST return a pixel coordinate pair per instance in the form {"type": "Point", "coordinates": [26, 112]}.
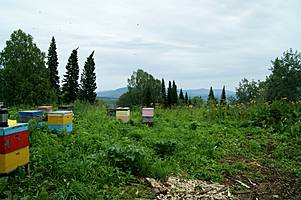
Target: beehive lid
{"type": "Point", "coordinates": [3, 130]}
{"type": "Point", "coordinates": [30, 112]}
{"type": "Point", "coordinates": [60, 112]}
{"type": "Point", "coordinates": [123, 109]}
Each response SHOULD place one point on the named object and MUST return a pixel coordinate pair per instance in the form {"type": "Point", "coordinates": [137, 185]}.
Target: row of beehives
{"type": "Point", "coordinates": [14, 142]}
{"type": "Point", "coordinates": [124, 114]}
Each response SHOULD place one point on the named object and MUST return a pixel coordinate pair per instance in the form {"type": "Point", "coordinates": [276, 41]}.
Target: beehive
{"type": "Point", "coordinates": [148, 116]}
{"type": "Point", "coordinates": [26, 116]}
{"type": "Point", "coordinates": [45, 108]}
{"type": "Point", "coordinates": [123, 114]}
{"type": "Point", "coordinates": [14, 147]}
{"type": "Point", "coordinates": [66, 107]}
{"type": "Point", "coordinates": [60, 120]}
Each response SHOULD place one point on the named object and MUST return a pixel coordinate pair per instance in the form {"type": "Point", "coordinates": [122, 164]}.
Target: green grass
{"type": "Point", "coordinates": [105, 159]}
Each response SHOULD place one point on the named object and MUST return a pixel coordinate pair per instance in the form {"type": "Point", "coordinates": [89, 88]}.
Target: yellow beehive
{"type": "Point", "coordinates": [10, 161]}
{"type": "Point", "coordinates": [60, 118]}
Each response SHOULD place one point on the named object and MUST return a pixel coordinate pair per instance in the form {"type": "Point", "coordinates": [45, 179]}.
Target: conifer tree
{"type": "Point", "coordinates": [163, 93]}
{"type": "Point", "coordinates": [70, 82]}
{"type": "Point", "coordinates": [169, 94]}
{"type": "Point", "coordinates": [223, 97]}
{"type": "Point", "coordinates": [88, 81]}
{"type": "Point", "coordinates": [174, 94]}
{"type": "Point", "coordinates": [211, 98]}
{"type": "Point", "coordinates": [52, 64]}
{"type": "Point", "coordinates": [186, 98]}
{"type": "Point", "coordinates": [181, 95]}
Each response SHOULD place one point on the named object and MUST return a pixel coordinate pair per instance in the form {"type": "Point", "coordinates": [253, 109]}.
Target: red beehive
{"type": "Point", "coordinates": [12, 142]}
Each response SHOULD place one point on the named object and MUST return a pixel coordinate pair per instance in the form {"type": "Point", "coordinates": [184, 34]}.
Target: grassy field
{"type": "Point", "coordinates": [105, 159]}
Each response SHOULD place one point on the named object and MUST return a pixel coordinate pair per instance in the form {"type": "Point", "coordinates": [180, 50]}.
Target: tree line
{"type": "Point", "coordinates": [25, 77]}
{"type": "Point", "coordinates": [145, 90]}
{"type": "Point", "coordinates": [284, 82]}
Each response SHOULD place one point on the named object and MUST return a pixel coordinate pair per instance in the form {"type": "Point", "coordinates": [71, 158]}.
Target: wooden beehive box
{"type": "Point", "coordinates": [123, 114]}
{"type": "Point", "coordinates": [27, 115]}
{"type": "Point", "coordinates": [14, 147]}
{"type": "Point", "coordinates": [60, 120]}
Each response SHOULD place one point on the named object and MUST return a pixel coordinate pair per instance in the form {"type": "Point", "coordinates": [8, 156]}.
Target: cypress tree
{"type": "Point", "coordinates": [211, 97]}
{"type": "Point", "coordinates": [174, 94]}
{"type": "Point", "coordinates": [88, 81]}
{"type": "Point", "coordinates": [181, 95]}
{"type": "Point", "coordinates": [169, 94]}
{"type": "Point", "coordinates": [70, 82]}
{"type": "Point", "coordinates": [52, 64]}
{"type": "Point", "coordinates": [223, 97]}
{"type": "Point", "coordinates": [163, 93]}
{"type": "Point", "coordinates": [186, 98]}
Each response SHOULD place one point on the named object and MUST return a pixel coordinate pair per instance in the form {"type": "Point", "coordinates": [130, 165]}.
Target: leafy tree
{"type": "Point", "coordinates": [174, 94]}
{"type": "Point", "coordinates": [163, 93]}
{"type": "Point", "coordinates": [70, 82]}
{"type": "Point", "coordinates": [197, 101]}
{"type": "Point", "coordinates": [143, 89]}
{"type": "Point", "coordinates": [223, 99]}
{"type": "Point", "coordinates": [169, 94]}
{"type": "Point", "coordinates": [186, 98]}
{"type": "Point", "coordinates": [211, 98]}
{"type": "Point", "coordinates": [24, 78]}
{"type": "Point", "coordinates": [88, 81]}
{"type": "Point", "coordinates": [247, 90]}
{"type": "Point", "coordinates": [52, 66]}
{"type": "Point", "coordinates": [285, 80]}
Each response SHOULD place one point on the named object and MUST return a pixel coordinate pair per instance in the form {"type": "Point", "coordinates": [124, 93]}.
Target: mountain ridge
{"type": "Point", "coordinates": [202, 92]}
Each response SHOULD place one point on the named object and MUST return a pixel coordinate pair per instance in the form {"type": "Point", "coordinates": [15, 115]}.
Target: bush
{"type": "Point", "coordinates": [165, 148]}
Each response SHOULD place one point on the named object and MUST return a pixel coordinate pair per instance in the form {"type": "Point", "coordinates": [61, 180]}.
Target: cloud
{"type": "Point", "coordinates": [197, 43]}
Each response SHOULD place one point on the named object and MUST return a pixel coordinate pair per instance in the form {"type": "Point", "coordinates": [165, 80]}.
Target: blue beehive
{"type": "Point", "coordinates": [26, 116]}
{"type": "Point", "coordinates": [59, 128]}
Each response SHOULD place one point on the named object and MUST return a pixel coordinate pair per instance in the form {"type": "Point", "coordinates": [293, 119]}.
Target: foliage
{"type": "Point", "coordinates": [247, 90]}
{"type": "Point", "coordinates": [169, 94]}
{"type": "Point", "coordinates": [163, 93]}
{"type": "Point", "coordinates": [284, 82]}
{"type": "Point", "coordinates": [88, 81]}
{"type": "Point", "coordinates": [70, 82]}
{"type": "Point", "coordinates": [23, 68]}
{"type": "Point", "coordinates": [143, 89]}
{"type": "Point", "coordinates": [174, 94]}
{"type": "Point", "coordinates": [52, 64]}
{"type": "Point", "coordinates": [186, 98]}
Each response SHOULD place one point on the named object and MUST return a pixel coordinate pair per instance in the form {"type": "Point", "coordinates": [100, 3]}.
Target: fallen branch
{"type": "Point", "coordinates": [243, 184]}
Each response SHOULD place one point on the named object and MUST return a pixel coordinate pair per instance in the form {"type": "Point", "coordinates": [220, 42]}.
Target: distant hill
{"type": "Point", "coordinates": [115, 94]}
{"type": "Point", "coordinates": [112, 94]}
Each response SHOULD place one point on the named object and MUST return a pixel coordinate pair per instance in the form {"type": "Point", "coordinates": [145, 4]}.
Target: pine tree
{"type": "Point", "coordinates": [52, 66]}
{"type": "Point", "coordinates": [88, 81]}
{"type": "Point", "coordinates": [70, 82]}
{"type": "Point", "coordinates": [181, 95]}
{"type": "Point", "coordinates": [174, 94]}
{"type": "Point", "coordinates": [211, 98]}
{"type": "Point", "coordinates": [223, 97]}
{"type": "Point", "coordinates": [186, 98]}
{"type": "Point", "coordinates": [169, 94]}
{"type": "Point", "coordinates": [163, 94]}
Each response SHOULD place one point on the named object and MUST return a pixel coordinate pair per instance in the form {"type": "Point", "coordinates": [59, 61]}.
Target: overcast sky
{"type": "Point", "coordinates": [198, 43]}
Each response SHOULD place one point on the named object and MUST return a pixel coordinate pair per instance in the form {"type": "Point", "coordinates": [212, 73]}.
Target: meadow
{"type": "Point", "coordinates": [106, 159]}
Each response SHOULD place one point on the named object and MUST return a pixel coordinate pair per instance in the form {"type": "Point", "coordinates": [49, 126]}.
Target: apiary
{"type": "Point", "coordinates": [60, 120]}
{"type": "Point", "coordinates": [148, 116]}
{"type": "Point", "coordinates": [123, 114]}
{"type": "Point", "coordinates": [14, 147]}
{"type": "Point", "coordinates": [26, 116]}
